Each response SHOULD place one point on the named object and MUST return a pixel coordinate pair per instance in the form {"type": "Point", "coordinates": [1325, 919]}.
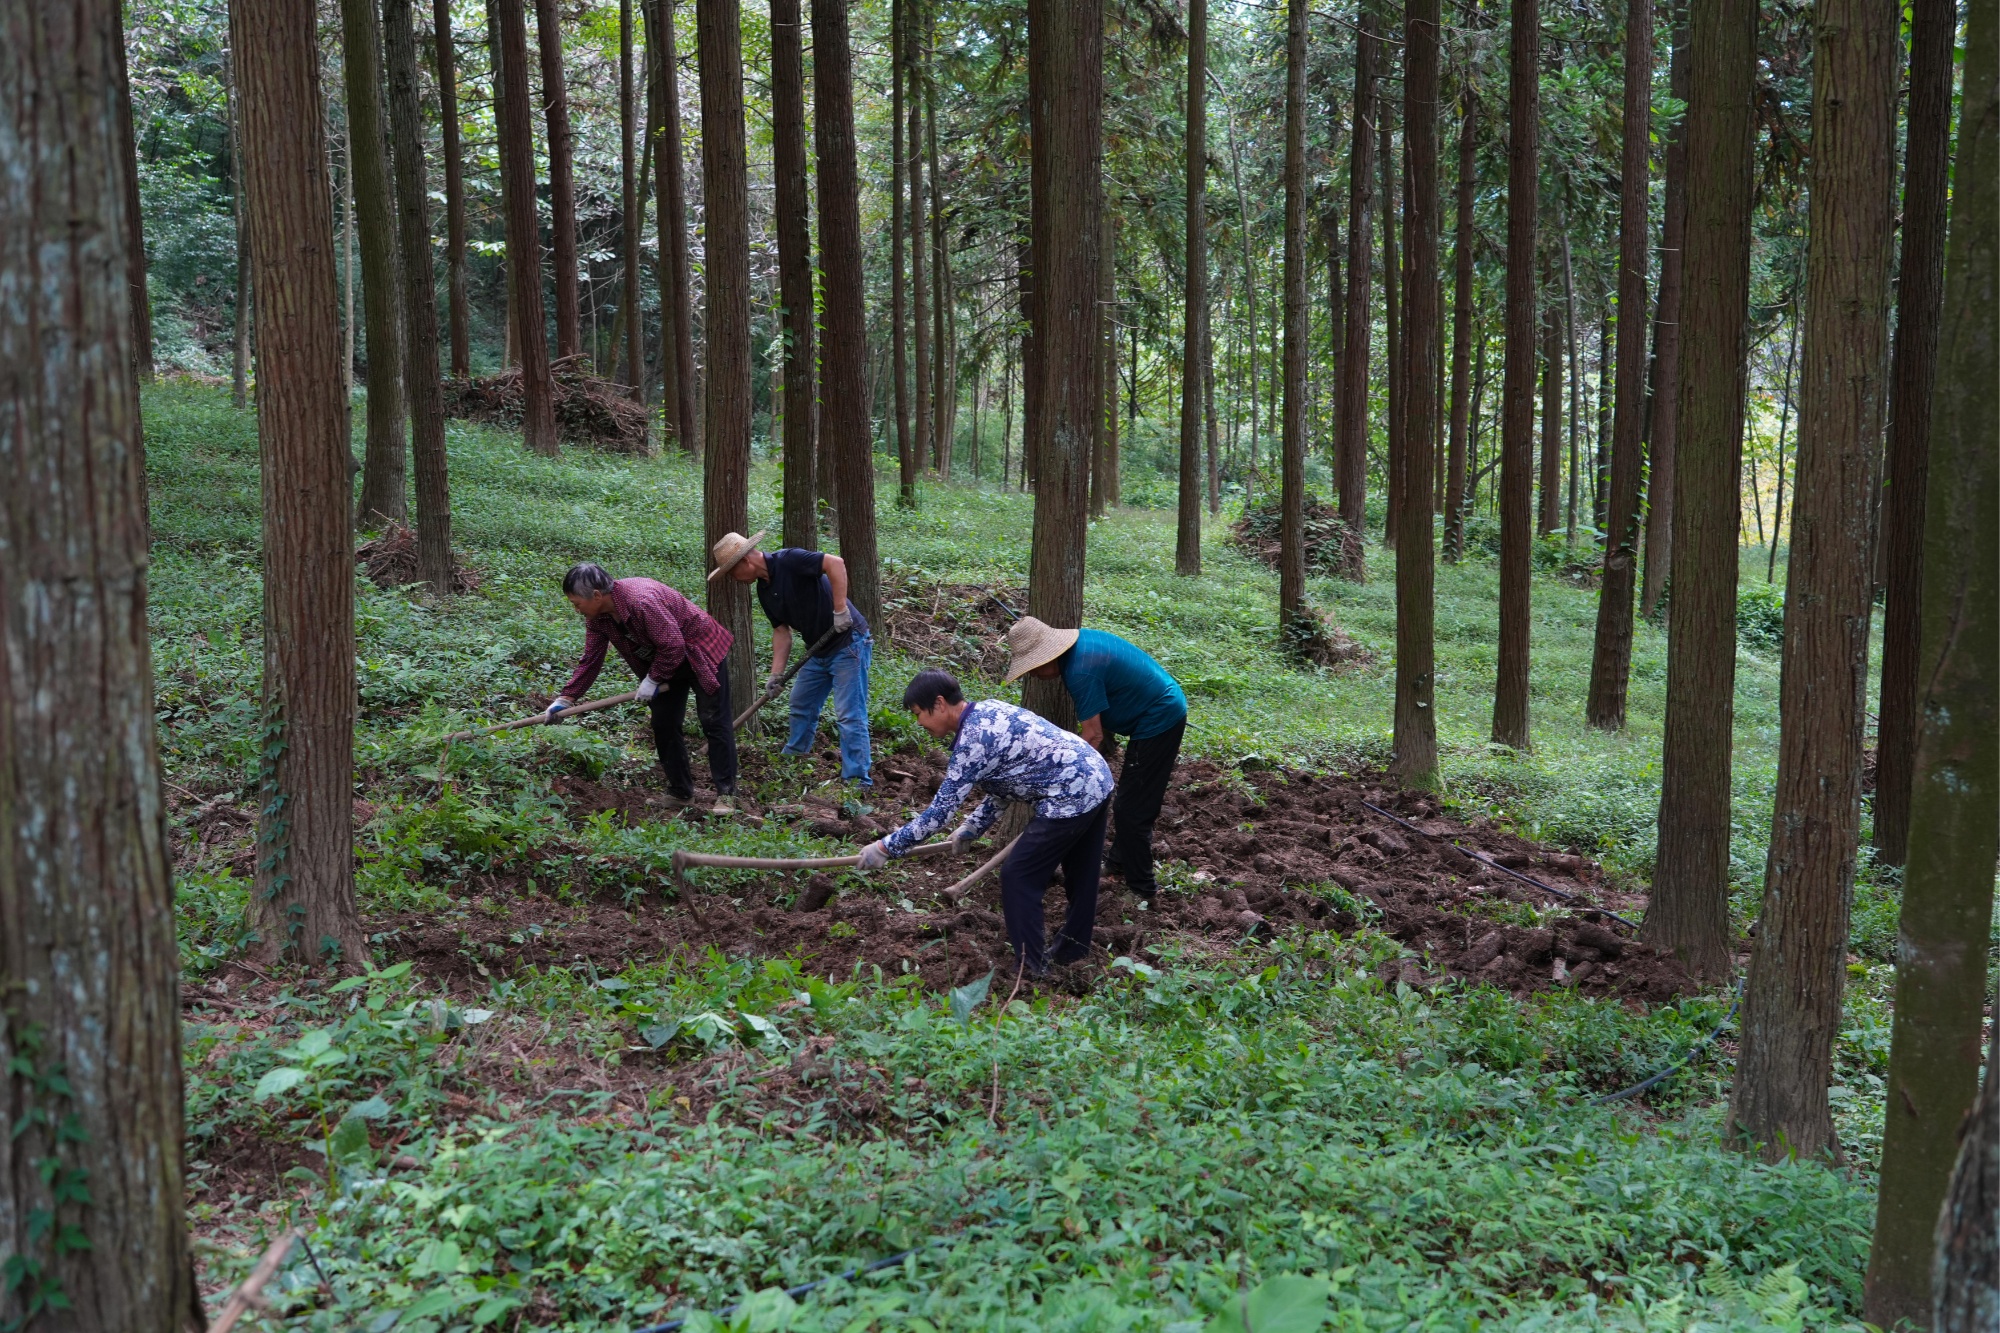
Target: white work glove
{"type": "Point", "coordinates": [962, 840]}
{"type": "Point", "coordinates": [843, 619]}
{"type": "Point", "coordinates": [648, 687]}
{"type": "Point", "coordinates": [874, 856]}
{"type": "Point", "coordinates": [556, 706]}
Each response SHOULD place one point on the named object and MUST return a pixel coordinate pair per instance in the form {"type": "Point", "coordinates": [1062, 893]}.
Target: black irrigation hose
{"type": "Point", "coordinates": [1491, 864]}
{"type": "Point", "coordinates": [1687, 1057]}
{"type": "Point", "coordinates": [1012, 614]}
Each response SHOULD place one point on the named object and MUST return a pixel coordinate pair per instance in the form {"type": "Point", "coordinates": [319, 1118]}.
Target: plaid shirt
{"type": "Point", "coordinates": [654, 629]}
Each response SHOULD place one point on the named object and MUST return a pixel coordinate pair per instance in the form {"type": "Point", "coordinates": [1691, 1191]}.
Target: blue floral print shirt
{"type": "Point", "coordinates": [1010, 753]}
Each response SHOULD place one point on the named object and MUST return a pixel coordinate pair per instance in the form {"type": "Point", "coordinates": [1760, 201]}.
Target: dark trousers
{"type": "Point", "coordinates": [1135, 806]}
{"type": "Point", "coordinates": [1077, 845]}
{"type": "Point", "coordinates": [712, 710]}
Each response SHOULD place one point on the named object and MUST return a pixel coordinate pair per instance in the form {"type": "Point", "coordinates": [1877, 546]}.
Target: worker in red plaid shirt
{"type": "Point", "coordinates": [674, 647]}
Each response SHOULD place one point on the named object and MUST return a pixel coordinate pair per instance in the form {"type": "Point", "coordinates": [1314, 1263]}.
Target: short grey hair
{"type": "Point", "coordinates": [585, 578]}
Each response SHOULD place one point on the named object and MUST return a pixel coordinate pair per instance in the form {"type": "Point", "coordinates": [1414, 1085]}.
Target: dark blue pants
{"type": "Point", "coordinates": [1077, 845]}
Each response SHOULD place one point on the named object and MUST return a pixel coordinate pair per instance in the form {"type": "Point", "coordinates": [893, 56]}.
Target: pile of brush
{"type": "Point", "coordinates": [590, 410]}
{"type": "Point", "coordinates": [1332, 548]}
{"type": "Point", "coordinates": [390, 560]}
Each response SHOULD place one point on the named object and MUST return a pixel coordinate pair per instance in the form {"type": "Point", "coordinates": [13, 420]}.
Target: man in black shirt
{"type": "Point", "coordinates": [804, 595]}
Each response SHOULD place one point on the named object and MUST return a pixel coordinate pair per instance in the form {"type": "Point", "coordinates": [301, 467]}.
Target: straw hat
{"type": "Point", "coordinates": [731, 548]}
{"type": "Point", "coordinates": [1030, 644]}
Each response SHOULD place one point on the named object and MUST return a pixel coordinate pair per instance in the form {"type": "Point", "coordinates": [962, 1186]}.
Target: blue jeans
{"type": "Point", "coordinates": [844, 675]}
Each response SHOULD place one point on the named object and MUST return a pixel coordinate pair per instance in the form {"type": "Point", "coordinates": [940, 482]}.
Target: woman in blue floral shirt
{"type": "Point", "coordinates": [1009, 753]}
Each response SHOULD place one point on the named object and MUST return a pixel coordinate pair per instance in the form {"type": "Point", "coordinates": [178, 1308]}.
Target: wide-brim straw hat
{"type": "Point", "coordinates": [1030, 644]}
{"type": "Point", "coordinates": [732, 547]}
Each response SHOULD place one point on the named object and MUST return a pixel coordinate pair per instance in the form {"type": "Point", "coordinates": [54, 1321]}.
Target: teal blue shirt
{"type": "Point", "coordinates": [1112, 680]}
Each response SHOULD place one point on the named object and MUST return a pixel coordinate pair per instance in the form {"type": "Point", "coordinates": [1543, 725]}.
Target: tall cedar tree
{"type": "Point", "coordinates": [1292, 431]}
{"type": "Point", "coordinates": [302, 903]}
{"type": "Point", "coordinates": [239, 351]}
{"type": "Point", "coordinates": [1351, 404]}
{"type": "Point", "coordinates": [1463, 246]}
{"type": "Point", "coordinates": [846, 447]}
{"type": "Point", "coordinates": [1611, 654]}
{"type": "Point", "coordinates": [1663, 405]}
{"type": "Point", "coordinates": [1107, 299]}
{"type": "Point", "coordinates": [1194, 338]}
{"type": "Point", "coordinates": [1517, 389]}
{"type": "Point", "coordinates": [1941, 979]}
{"type": "Point", "coordinates": [677, 378]}
{"type": "Point", "coordinates": [914, 212]}
{"type": "Point", "coordinates": [944, 362]}
{"type": "Point", "coordinates": [899, 292]}
{"type": "Point", "coordinates": [562, 176]}
{"type": "Point", "coordinates": [1548, 495]}
{"type": "Point", "coordinates": [135, 230]}
{"type": "Point", "coordinates": [1966, 1286]}
{"type": "Point", "coordinates": [524, 245]}
{"type": "Point", "coordinates": [1414, 754]}
{"type": "Point", "coordinates": [1393, 348]}
{"type": "Point", "coordinates": [1798, 965]}
{"type": "Point", "coordinates": [1066, 121]}
{"type": "Point", "coordinates": [795, 290]}
{"type": "Point", "coordinates": [458, 301]}
{"type": "Point", "coordinates": [383, 460]}
{"type": "Point", "coordinates": [422, 389]}
{"type": "Point", "coordinates": [1688, 914]}
{"type": "Point", "coordinates": [1918, 295]}
{"type": "Point", "coordinates": [725, 184]}
{"type": "Point", "coordinates": [88, 960]}
{"type": "Point", "coordinates": [631, 214]}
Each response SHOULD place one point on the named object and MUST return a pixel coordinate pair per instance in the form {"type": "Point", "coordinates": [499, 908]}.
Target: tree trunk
{"type": "Point", "coordinates": [1663, 403]}
{"type": "Point", "coordinates": [1351, 402]}
{"type": "Point", "coordinates": [846, 445]}
{"type": "Point", "coordinates": [1611, 653]}
{"type": "Point", "coordinates": [725, 187]}
{"type": "Point", "coordinates": [677, 379]}
{"type": "Point", "coordinates": [1194, 336]}
{"type": "Point", "coordinates": [1948, 881]}
{"type": "Point", "coordinates": [135, 228]}
{"type": "Point", "coordinates": [454, 190]}
{"type": "Point", "coordinates": [1393, 348]}
{"type": "Point", "coordinates": [1066, 117]}
{"type": "Point", "coordinates": [239, 357]}
{"type": "Point", "coordinates": [1414, 755]}
{"type": "Point", "coordinates": [1688, 914]}
{"type": "Point", "coordinates": [562, 181]}
{"type": "Point", "coordinates": [944, 394]}
{"type": "Point", "coordinates": [1517, 387]}
{"type": "Point", "coordinates": [1575, 365]}
{"type": "Point", "coordinates": [914, 212]}
{"type": "Point", "coordinates": [899, 354]}
{"type": "Point", "coordinates": [92, 1208]}
{"type": "Point", "coordinates": [1105, 419]}
{"type": "Point", "coordinates": [632, 209]}
{"type": "Point", "coordinates": [303, 901]}
{"type": "Point", "coordinates": [1249, 295]}
{"type": "Point", "coordinates": [1024, 283]}
{"type": "Point", "coordinates": [1208, 409]}
{"type": "Point", "coordinates": [1292, 441]}
{"type": "Point", "coordinates": [795, 292]}
{"type": "Point", "coordinates": [524, 246]}
{"type": "Point", "coordinates": [1548, 509]}
{"type": "Point", "coordinates": [1600, 455]}
{"type": "Point", "coordinates": [1461, 323]}
{"type": "Point", "coordinates": [383, 461]}
{"type": "Point", "coordinates": [1917, 300]}
{"type": "Point", "coordinates": [413, 243]}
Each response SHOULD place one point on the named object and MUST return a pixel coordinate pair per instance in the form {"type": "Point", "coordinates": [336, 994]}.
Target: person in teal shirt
{"type": "Point", "coordinates": [1119, 691]}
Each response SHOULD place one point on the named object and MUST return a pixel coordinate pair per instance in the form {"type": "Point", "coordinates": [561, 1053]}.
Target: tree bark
{"type": "Point", "coordinates": [1351, 402]}
{"type": "Point", "coordinates": [846, 444]}
{"type": "Point", "coordinates": [1663, 401]}
{"type": "Point", "coordinates": [632, 209]}
{"type": "Point", "coordinates": [1194, 335]}
{"type": "Point", "coordinates": [1611, 653]}
{"type": "Point", "coordinates": [914, 213]}
{"type": "Point", "coordinates": [725, 185]}
{"type": "Point", "coordinates": [1548, 495]}
{"type": "Point", "coordinates": [1517, 387]}
{"type": "Point", "coordinates": [1463, 246]}
{"type": "Point", "coordinates": [92, 1203]}
{"type": "Point", "coordinates": [413, 243]}
{"type": "Point", "coordinates": [383, 465]}
{"type": "Point", "coordinates": [677, 378]}
{"type": "Point", "coordinates": [1395, 352]}
{"type": "Point", "coordinates": [1414, 755]}
{"type": "Point", "coordinates": [302, 904]}
{"type": "Point", "coordinates": [1918, 296]}
{"type": "Point", "coordinates": [135, 228]}
{"type": "Point", "coordinates": [562, 177]}
{"type": "Point", "coordinates": [944, 367]}
{"type": "Point", "coordinates": [1066, 118]}
{"type": "Point", "coordinates": [1292, 440]}
{"type": "Point", "coordinates": [459, 304]}
{"type": "Point", "coordinates": [1688, 913]}
{"type": "Point", "coordinates": [524, 246]}
{"type": "Point", "coordinates": [1941, 979]}
{"type": "Point", "coordinates": [899, 295]}
{"type": "Point", "coordinates": [239, 353]}
{"type": "Point", "coordinates": [1208, 410]}
{"type": "Point", "coordinates": [1104, 422]}
{"type": "Point", "coordinates": [795, 291]}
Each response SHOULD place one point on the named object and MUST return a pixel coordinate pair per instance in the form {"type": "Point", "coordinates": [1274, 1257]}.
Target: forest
{"type": "Point", "coordinates": [1539, 462]}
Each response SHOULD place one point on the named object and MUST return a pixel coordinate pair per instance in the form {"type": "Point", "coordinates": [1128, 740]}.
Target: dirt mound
{"type": "Point", "coordinates": [390, 561]}
{"type": "Point", "coordinates": [1332, 548]}
{"type": "Point", "coordinates": [590, 410]}
{"type": "Point", "coordinates": [959, 626]}
{"type": "Point", "coordinates": [1258, 853]}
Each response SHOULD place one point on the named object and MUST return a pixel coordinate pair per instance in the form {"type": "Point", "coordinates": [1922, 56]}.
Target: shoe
{"type": "Point", "coordinates": [725, 804]}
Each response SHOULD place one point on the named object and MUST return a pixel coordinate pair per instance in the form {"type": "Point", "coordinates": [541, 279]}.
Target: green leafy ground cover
{"type": "Point", "coordinates": [1190, 1130]}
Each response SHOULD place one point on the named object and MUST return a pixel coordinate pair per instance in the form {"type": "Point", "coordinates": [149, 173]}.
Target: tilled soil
{"type": "Point", "coordinates": [1257, 853]}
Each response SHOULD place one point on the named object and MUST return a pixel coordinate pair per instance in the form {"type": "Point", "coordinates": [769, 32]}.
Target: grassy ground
{"type": "Point", "coordinates": [1188, 1130]}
